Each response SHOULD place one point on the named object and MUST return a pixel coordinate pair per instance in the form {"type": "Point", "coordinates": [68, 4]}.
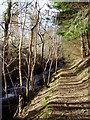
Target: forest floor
{"type": "Point", "coordinates": [66, 99]}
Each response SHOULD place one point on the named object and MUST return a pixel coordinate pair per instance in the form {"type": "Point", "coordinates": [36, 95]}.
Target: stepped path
{"type": "Point", "coordinates": [66, 99]}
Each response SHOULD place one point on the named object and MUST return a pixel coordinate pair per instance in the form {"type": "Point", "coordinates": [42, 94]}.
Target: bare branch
{"type": "Point", "coordinates": [2, 26]}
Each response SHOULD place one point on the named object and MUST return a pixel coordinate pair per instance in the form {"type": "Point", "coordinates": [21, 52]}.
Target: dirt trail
{"type": "Point", "coordinates": [66, 99]}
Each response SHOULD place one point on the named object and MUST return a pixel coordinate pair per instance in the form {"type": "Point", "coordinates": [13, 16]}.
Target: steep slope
{"type": "Point", "coordinates": [66, 99]}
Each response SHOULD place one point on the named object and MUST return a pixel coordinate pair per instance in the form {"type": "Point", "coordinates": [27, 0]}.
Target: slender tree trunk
{"type": "Point", "coordinates": [20, 48]}
{"type": "Point", "coordinates": [32, 82]}
{"type": "Point", "coordinates": [27, 90]}
{"type": "Point", "coordinates": [50, 71]}
{"type": "Point", "coordinates": [20, 68]}
{"type": "Point", "coordinates": [52, 58]}
{"type": "Point", "coordinates": [12, 82]}
{"type": "Point", "coordinates": [5, 48]}
{"type": "Point", "coordinates": [30, 58]}
{"type": "Point", "coordinates": [42, 62]}
{"type": "Point", "coordinates": [20, 64]}
{"type": "Point", "coordinates": [29, 68]}
{"type": "Point", "coordinates": [33, 66]}
{"type": "Point", "coordinates": [88, 42]}
{"type": "Point", "coordinates": [56, 62]}
{"type": "Point", "coordinates": [56, 57]}
{"type": "Point", "coordinates": [42, 49]}
{"type": "Point", "coordinates": [31, 54]}
{"type": "Point", "coordinates": [82, 47]}
{"type": "Point", "coordinates": [5, 81]}
{"type": "Point", "coordinates": [45, 81]}
{"type": "Point", "coordinates": [85, 45]}
{"type": "Point", "coordinates": [20, 58]}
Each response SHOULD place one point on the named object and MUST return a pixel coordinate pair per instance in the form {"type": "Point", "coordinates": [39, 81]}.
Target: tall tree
{"type": "Point", "coordinates": [73, 20]}
{"type": "Point", "coordinates": [7, 17]}
{"type": "Point", "coordinates": [20, 45]}
{"type": "Point", "coordinates": [31, 66]}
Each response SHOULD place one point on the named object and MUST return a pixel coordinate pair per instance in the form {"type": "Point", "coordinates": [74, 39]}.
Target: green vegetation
{"type": "Point", "coordinates": [7, 11]}
{"type": "Point", "coordinates": [75, 20]}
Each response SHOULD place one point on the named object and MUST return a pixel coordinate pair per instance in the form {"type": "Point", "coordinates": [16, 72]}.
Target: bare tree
{"type": "Point", "coordinates": [45, 81]}
{"type": "Point", "coordinates": [20, 45]}
{"type": "Point", "coordinates": [55, 47]}
{"type": "Point", "coordinates": [31, 65]}
{"type": "Point", "coordinates": [51, 62]}
{"type": "Point", "coordinates": [85, 47]}
{"type": "Point", "coordinates": [7, 17]}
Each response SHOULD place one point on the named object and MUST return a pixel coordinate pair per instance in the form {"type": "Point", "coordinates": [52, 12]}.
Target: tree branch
{"type": "Point", "coordinates": [2, 26]}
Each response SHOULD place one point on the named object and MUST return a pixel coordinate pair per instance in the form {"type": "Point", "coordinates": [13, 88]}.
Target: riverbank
{"type": "Point", "coordinates": [67, 97]}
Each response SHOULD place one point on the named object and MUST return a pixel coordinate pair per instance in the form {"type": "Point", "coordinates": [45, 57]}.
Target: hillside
{"type": "Point", "coordinates": [67, 97]}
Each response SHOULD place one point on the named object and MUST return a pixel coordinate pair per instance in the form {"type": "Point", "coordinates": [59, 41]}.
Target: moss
{"type": "Point", "coordinates": [7, 11]}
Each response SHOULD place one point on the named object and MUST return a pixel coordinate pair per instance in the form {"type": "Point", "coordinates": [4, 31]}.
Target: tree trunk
{"type": "Point", "coordinates": [34, 63]}
{"type": "Point", "coordinates": [27, 90]}
{"type": "Point", "coordinates": [50, 71]}
{"type": "Point", "coordinates": [83, 54]}
{"type": "Point", "coordinates": [5, 48]}
{"type": "Point", "coordinates": [5, 81]}
{"type": "Point", "coordinates": [20, 47]}
{"type": "Point", "coordinates": [42, 55]}
{"type": "Point", "coordinates": [29, 67]}
{"type": "Point", "coordinates": [45, 81]}
{"type": "Point", "coordinates": [88, 42]}
{"type": "Point", "coordinates": [20, 64]}
{"type": "Point", "coordinates": [56, 57]}
{"type": "Point", "coordinates": [12, 82]}
{"type": "Point", "coordinates": [20, 58]}
{"type": "Point", "coordinates": [30, 58]}
{"type": "Point", "coordinates": [85, 44]}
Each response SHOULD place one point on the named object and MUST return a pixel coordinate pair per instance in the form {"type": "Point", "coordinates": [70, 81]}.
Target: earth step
{"type": "Point", "coordinates": [73, 83]}
{"type": "Point", "coordinates": [65, 89]}
{"type": "Point", "coordinates": [64, 117]}
{"type": "Point", "coordinates": [68, 117]}
{"type": "Point", "coordinates": [79, 86]}
{"type": "Point", "coordinates": [83, 97]}
{"type": "Point", "coordinates": [70, 103]}
{"type": "Point", "coordinates": [68, 107]}
{"type": "Point", "coordinates": [69, 75]}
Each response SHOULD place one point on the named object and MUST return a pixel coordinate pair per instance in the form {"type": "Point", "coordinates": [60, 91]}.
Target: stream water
{"type": "Point", "coordinates": [37, 78]}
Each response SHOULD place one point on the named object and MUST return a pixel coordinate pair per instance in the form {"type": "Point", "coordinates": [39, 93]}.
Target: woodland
{"type": "Point", "coordinates": [45, 57]}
